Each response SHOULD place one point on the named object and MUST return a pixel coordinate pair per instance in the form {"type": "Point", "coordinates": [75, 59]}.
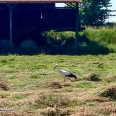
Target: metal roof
{"type": "Point", "coordinates": [39, 1]}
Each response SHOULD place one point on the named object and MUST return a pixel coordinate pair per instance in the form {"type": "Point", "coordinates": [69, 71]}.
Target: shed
{"type": "Point", "coordinates": [18, 16]}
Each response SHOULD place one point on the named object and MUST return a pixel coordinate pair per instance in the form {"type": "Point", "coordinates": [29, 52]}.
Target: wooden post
{"type": "Point", "coordinates": [10, 21]}
{"type": "Point", "coordinates": [10, 24]}
{"type": "Point", "coordinates": [76, 33]}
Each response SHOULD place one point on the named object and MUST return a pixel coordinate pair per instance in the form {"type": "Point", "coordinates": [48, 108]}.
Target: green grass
{"type": "Point", "coordinates": [30, 78]}
{"type": "Point", "coordinates": [83, 84]}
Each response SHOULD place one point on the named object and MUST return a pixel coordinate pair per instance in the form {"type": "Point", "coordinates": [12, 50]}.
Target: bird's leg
{"type": "Point", "coordinates": [76, 79]}
{"type": "Point", "coordinates": [70, 79]}
{"type": "Point", "coordinates": [64, 79]}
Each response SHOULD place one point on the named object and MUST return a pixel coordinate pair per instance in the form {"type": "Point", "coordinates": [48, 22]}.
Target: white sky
{"type": "Point", "coordinates": [113, 3]}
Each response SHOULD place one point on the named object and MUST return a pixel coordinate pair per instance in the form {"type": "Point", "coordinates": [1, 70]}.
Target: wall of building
{"type": "Point", "coordinates": [28, 19]}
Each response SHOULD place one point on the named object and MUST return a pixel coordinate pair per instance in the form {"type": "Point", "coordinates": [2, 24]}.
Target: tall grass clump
{"type": "Point", "coordinates": [101, 37]}
{"type": "Point", "coordinates": [102, 34]}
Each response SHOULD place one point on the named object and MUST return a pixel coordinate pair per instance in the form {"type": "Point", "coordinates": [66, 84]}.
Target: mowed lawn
{"type": "Point", "coordinates": [30, 87]}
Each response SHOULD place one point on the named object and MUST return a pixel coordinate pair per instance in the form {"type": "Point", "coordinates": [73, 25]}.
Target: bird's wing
{"type": "Point", "coordinates": [64, 72]}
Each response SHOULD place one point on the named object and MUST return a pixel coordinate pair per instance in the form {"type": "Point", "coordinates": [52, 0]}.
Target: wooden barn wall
{"type": "Point", "coordinates": [30, 19]}
{"type": "Point", "coordinates": [4, 22]}
{"type": "Point", "coordinates": [59, 18]}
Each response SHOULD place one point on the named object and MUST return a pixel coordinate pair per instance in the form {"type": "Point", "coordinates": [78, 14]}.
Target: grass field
{"type": "Point", "coordinates": [30, 86]}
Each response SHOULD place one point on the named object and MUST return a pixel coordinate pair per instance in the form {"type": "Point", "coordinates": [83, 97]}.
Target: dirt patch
{"type": "Point", "coordinates": [92, 77]}
{"type": "Point", "coordinates": [109, 91]}
{"type": "Point", "coordinates": [4, 86]}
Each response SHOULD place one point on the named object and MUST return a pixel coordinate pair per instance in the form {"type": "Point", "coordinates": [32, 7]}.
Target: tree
{"type": "Point", "coordinates": [93, 12]}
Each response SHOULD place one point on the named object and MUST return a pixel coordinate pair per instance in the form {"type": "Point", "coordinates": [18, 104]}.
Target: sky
{"type": "Point", "coordinates": [111, 19]}
{"type": "Point", "coordinates": [113, 3]}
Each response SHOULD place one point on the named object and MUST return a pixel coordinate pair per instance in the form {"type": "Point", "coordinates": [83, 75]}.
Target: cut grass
{"type": "Point", "coordinates": [36, 89]}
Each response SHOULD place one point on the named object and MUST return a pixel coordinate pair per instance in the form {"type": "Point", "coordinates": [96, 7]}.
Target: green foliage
{"type": "Point", "coordinates": [93, 12]}
{"type": "Point", "coordinates": [58, 38]}
{"type": "Point", "coordinates": [99, 39]}
{"type": "Point", "coordinates": [101, 35]}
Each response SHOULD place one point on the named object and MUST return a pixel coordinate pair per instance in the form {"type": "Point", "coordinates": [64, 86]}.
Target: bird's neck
{"type": "Point", "coordinates": [58, 67]}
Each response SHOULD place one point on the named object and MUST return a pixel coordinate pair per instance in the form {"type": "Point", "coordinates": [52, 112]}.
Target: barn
{"type": "Point", "coordinates": [22, 18]}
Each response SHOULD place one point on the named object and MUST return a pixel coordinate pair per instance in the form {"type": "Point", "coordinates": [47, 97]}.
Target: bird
{"type": "Point", "coordinates": [65, 74]}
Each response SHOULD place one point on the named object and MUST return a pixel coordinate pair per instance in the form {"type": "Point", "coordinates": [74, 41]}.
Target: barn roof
{"type": "Point", "coordinates": [39, 1]}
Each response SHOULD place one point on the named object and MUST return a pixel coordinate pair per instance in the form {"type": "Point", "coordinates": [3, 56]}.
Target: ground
{"type": "Point", "coordinates": [29, 85]}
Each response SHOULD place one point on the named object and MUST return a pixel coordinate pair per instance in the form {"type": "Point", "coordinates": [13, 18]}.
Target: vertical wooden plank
{"type": "Point", "coordinates": [10, 21]}
{"type": "Point", "coordinates": [10, 6]}
{"type": "Point", "coordinates": [76, 33]}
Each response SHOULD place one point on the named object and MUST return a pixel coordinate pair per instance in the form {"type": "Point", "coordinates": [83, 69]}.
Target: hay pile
{"type": "Point", "coordinates": [92, 77]}
{"type": "Point", "coordinates": [4, 86]}
{"type": "Point", "coordinates": [109, 91]}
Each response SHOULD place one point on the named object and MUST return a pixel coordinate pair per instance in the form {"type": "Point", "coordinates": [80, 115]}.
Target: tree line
{"type": "Point", "coordinates": [93, 12]}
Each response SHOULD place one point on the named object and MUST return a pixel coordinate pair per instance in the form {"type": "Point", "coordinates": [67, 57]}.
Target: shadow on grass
{"type": "Point", "coordinates": [87, 46]}
{"type": "Point", "coordinates": [53, 46]}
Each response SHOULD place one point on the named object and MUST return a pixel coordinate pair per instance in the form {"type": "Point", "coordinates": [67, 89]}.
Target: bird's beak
{"type": "Point", "coordinates": [54, 67]}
